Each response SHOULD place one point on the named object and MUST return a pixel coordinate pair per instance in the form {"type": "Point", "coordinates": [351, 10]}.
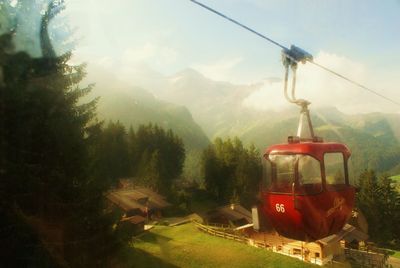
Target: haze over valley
{"type": "Point", "coordinates": [200, 109]}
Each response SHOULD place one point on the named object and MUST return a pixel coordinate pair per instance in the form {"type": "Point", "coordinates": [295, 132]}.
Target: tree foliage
{"type": "Point", "coordinates": [380, 202]}
{"type": "Point", "coordinates": [45, 161]}
{"type": "Point", "coordinates": [110, 154]}
{"type": "Point", "coordinates": [191, 167]}
{"type": "Point", "coordinates": [157, 156]}
{"type": "Point", "coordinates": [231, 172]}
{"type": "Point", "coordinates": [151, 155]}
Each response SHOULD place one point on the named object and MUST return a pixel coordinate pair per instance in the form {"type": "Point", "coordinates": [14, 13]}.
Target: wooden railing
{"type": "Point", "coordinates": [230, 234]}
{"type": "Point", "coordinates": [218, 225]}
{"type": "Point", "coordinates": [212, 230]}
{"type": "Point", "coordinates": [365, 258]}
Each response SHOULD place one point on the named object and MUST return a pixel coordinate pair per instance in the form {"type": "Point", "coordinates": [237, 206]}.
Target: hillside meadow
{"type": "Point", "coordinates": [185, 246]}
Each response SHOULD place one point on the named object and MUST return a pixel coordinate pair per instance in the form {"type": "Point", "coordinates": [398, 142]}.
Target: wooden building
{"type": "Point", "coordinates": [319, 252]}
{"type": "Point", "coordinates": [139, 201]}
{"type": "Point", "coordinates": [232, 215]}
{"type": "Point", "coordinates": [133, 225]}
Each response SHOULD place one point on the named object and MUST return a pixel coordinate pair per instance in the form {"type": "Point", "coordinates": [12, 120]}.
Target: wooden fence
{"type": "Point", "coordinates": [221, 232]}
{"type": "Point", "coordinates": [216, 231]}
{"type": "Point", "coordinates": [366, 259]}
{"type": "Point", "coordinates": [218, 226]}
{"type": "Point", "coordinates": [228, 233]}
{"type": "Point", "coordinates": [225, 231]}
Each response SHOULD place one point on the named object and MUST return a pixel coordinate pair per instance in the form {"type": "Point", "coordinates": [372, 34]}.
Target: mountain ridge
{"type": "Point", "coordinates": [134, 106]}
{"type": "Point", "coordinates": [217, 108]}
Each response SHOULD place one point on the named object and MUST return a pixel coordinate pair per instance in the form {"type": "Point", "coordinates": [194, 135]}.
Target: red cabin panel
{"type": "Point", "coordinates": [315, 149]}
{"type": "Point", "coordinates": [315, 209]}
{"type": "Point", "coordinates": [309, 218]}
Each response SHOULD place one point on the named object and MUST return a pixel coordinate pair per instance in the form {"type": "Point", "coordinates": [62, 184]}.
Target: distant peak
{"type": "Point", "coordinates": [328, 109]}
{"type": "Point", "coordinates": [272, 80]}
{"type": "Point", "coordinates": [190, 71]}
{"type": "Point", "coordinates": [187, 73]}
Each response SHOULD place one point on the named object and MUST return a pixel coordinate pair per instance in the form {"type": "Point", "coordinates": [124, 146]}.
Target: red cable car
{"type": "Point", "coordinates": [308, 196]}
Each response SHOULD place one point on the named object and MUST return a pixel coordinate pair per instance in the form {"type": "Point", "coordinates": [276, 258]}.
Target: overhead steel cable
{"type": "Point", "coordinates": [355, 83]}
{"type": "Point", "coordinates": [240, 24]}
{"type": "Point", "coordinates": [287, 49]}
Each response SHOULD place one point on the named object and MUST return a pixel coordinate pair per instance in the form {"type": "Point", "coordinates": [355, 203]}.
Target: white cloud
{"type": "Point", "coordinates": [153, 52]}
{"type": "Point", "coordinates": [324, 89]}
{"type": "Point", "coordinates": [269, 96]}
{"type": "Point", "coordinates": [106, 62]}
{"type": "Point", "coordinates": [136, 65]}
{"type": "Point", "coordinates": [220, 70]}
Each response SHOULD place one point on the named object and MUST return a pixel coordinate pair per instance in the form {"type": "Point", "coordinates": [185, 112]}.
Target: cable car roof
{"type": "Point", "coordinates": [315, 149]}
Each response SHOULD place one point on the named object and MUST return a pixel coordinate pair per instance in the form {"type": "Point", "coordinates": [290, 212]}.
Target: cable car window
{"type": "Point", "coordinates": [309, 174]}
{"type": "Point", "coordinates": [283, 172]}
{"type": "Point", "coordinates": [334, 171]}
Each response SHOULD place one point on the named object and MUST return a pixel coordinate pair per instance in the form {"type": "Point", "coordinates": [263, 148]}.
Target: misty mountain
{"type": "Point", "coordinates": [133, 106]}
{"type": "Point", "coordinates": [218, 108]}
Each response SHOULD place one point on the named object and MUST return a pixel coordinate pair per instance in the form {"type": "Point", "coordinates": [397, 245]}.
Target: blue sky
{"type": "Point", "coordinates": [170, 35]}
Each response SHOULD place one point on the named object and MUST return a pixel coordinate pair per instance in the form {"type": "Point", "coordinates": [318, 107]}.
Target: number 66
{"type": "Point", "coordinates": [280, 208]}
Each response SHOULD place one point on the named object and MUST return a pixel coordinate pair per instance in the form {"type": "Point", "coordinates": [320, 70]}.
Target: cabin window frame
{"type": "Point", "coordinates": [273, 175]}
{"type": "Point", "coordinates": [332, 187]}
{"type": "Point", "coordinates": [297, 184]}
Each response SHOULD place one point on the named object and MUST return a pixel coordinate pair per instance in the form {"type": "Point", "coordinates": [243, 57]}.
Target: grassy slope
{"type": "Point", "coordinates": [396, 178]}
{"type": "Point", "coordinates": [185, 246]}
{"type": "Point", "coordinates": [396, 254]}
{"type": "Point", "coordinates": [393, 253]}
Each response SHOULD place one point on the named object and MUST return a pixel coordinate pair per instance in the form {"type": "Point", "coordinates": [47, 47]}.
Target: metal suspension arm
{"type": "Point", "coordinates": [305, 113]}
{"type": "Point", "coordinates": [290, 59]}
{"type": "Point", "coordinates": [291, 98]}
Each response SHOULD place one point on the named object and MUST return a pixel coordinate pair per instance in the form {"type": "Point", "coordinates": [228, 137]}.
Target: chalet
{"type": "Point", "coordinates": [133, 224]}
{"type": "Point", "coordinates": [359, 221]}
{"type": "Point", "coordinates": [139, 201]}
{"type": "Point", "coordinates": [319, 252]}
{"type": "Point", "coordinates": [233, 215]}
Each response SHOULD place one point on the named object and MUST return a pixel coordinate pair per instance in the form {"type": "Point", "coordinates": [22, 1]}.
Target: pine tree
{"type": "Point", "coordinates": [231, 171]}
{"type": "Point", "coordinates": [379, 201]}
{"type": "Point", "coordinates": [152, 148]}
{"type": "Point", "coordinates": [211, 169]}
{"type": "Point", "coordinates": [368, 201]}
{"type": "Point", "coordinates": [112, 157]}
{"type": "Point", "coordinates": [388, 207]}
{"type": "Point", "coordinates": [45, 165]}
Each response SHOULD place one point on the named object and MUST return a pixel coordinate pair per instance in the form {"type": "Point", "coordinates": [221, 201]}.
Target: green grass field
{"type": "Point", "coordinates": [185, 246]}
{"type": "Point", "coordinates": [396, 178]}
{"type": "Point", "coordinates": [394, 253]}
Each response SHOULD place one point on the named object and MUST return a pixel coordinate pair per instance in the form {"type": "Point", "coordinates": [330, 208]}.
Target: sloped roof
{"type": "Point", "coordinates": [348, 233]}
{"type": "Point", "coordinates": [136, 195]}
{"type": "Point", "coordinates": [123, 200]}
{"type": "Point", "coordinates": [233, 212]}
{"type": "Point", "coordinates": [134, 219]}
{"type": "Point", "coordinates": [155, 200]}
{"type": "Point", "coordinates": [138, 198]}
